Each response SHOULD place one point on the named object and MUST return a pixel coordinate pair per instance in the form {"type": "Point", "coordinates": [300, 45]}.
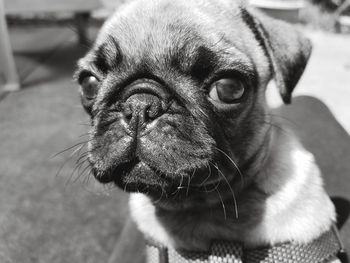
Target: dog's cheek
{"type": "Point", "coordinates": [108, 140]}
{"type": "Point", "coordinates": [240, 132]}
{"type": "Point", "coordinates": [105, 148]}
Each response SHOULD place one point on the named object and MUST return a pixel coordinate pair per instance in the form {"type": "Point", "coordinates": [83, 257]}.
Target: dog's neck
{"type": "Point", "coordinates": [286, 201]}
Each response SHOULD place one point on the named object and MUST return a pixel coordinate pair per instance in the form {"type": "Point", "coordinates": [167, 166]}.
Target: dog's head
{"type": "Point", "coordinates": [176, 92]}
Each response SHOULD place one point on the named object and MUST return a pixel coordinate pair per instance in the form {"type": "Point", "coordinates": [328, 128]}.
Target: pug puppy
{"type": "Point", "coordinates": [176, 95]}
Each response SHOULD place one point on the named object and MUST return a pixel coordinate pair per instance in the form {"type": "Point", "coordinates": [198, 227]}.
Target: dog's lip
{"type": "Point", "coordinates": [125, 168]}
{"type": "Point", "coordinates": [122, 169]}
{"type": "Point", "coordinates": [117, 170]}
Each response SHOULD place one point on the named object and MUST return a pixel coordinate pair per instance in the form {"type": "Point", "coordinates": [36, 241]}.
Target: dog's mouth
{"type": "Point", "coordinates": [124, 172]}
{"type": "Point", "coordinates": [138, 176]}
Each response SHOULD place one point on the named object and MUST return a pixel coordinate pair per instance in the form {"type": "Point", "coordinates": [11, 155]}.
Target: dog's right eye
{"type": "Point", "coordinates": [89, 87]}
{"type": "Point", "coordinates": [230, 91]}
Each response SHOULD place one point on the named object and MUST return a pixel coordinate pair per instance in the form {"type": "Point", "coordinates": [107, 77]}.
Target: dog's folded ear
{"type": "Point", "coordinates": [287, 49]}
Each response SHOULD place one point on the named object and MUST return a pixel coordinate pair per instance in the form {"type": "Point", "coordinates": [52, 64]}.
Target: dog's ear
{"type": "Point", "coordinates": [287, 49]}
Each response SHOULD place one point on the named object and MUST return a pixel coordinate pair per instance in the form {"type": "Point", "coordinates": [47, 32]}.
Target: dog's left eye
{"type": "Point", "coordinates": [89, 87]}
{"type": "Point", "coordinates": [227, 91]}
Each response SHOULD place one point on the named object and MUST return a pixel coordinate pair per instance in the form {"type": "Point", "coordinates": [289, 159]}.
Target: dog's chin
{"type": "Point", "coordinates": [134, 176]}
{"type": "Point", "coordinates": [140, 177]}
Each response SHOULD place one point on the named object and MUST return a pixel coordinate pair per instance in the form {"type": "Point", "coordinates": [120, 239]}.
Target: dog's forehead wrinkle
{"type": "Point", "coordinates": [108, 55]}
{"type": "Point", "coordinates": [85, 65]}
{"type": "Point", "coordinates": [161, 36]}
{"type": "Point", "coordinates": [159, 16]}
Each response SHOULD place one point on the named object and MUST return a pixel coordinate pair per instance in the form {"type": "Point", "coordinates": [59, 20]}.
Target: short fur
{"type": "Point", "coordinates": [203, 170]}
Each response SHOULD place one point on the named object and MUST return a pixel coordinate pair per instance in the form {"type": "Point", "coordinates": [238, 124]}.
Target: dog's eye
{"type": "Point", "coordinates": [227, 91]}
{"type": "Point", "coordinates": [89, 87]}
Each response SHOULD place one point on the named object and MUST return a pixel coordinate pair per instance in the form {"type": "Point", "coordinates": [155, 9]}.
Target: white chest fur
{"type": "Point", "coordinates": [297, 207]}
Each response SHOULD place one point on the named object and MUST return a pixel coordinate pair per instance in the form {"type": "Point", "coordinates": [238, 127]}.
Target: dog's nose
{"type": "Point", "coordinates": [141, 109]}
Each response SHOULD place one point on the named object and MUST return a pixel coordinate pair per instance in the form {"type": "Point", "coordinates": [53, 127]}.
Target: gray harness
{"type": "Point", "coordinates": [320, 250]}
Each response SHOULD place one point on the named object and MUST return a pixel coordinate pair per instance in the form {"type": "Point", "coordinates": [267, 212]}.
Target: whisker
{"type": "Point", "coordinates": [281, 128]}
{"type": "Point", "coordinates": [207, 178]}
{"type": "Point", "coordinates": [233, 162]}
{"type": "Point", "coordinates": [161, 196]}
{"type": "Point", "coordinates": [67, 160]}
{"type": "Point", "coordinates": [84, 134]}
{"type": "Point", "coordinates": [189, 181]}
{"type": "Point", "coordinates": [213, 189]}
{"type": "Point", "coordinates": [61, 167]}
{"type": "Point", "coordinates": [84, 124]}
{"type": "Point", "coordinates": [188, 186]}
{"type": "Point", "coordinates": [69, 148]}
{"type": "Point", "coordinates": [218, 42]}
{"type": "Point", "coordinates": [222, 203]}
{"type": "Point", "coordinates": [233, 194]}
{"type": "Point", "coordinates": [81, 156]}
{"type": "Point", "coordinates": [179, 187]}
{"type": "Point", "coordinates": [76, 168]}
{"type": "Point", "coordinates": [125, 186]}
{"type": "Point", "coordinates": [88, 166]}
{"type": "Point", "coordinates": [281, 117]}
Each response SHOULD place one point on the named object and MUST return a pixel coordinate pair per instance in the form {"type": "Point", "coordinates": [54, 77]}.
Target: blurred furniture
{"type": "Point", "coordinates": [80, 8]}
{"type": "Point", "coordinates": [287, 10]}
{"type": "Point", "coordinates": [343, 19]}
{"type": "Point", "coordinates": [8, 72]}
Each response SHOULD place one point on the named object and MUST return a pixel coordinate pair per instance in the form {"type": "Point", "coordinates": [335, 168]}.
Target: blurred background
{"type": "Point", "coordinates": [51, 210]}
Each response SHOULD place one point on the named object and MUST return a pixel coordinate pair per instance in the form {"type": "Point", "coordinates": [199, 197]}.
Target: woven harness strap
{"type": "Point", "coordinates": [221, 252]}
{"type": "Point", "coordinates": [320, 250]}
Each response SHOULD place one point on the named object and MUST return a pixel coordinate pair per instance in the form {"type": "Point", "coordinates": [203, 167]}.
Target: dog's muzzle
{"type": "Point", "coordinates": [145, 101]}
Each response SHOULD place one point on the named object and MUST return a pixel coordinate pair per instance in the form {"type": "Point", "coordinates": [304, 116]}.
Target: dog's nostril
{"type": "Point", "coordinates": [153, 111]}
{"type": "Point", "coordinates": [127, 112]}
{"type": "Point", "coordinates": [128, 117]}
{"type": "Point", "coordinates": [140, 109]}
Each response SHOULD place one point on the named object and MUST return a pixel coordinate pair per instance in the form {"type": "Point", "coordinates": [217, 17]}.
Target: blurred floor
{"type": "Point", "coordinates": [49, 218]}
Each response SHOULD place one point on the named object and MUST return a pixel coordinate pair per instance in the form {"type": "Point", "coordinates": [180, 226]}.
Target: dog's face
{"type": "Point", "coordinates": [175, 91]}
